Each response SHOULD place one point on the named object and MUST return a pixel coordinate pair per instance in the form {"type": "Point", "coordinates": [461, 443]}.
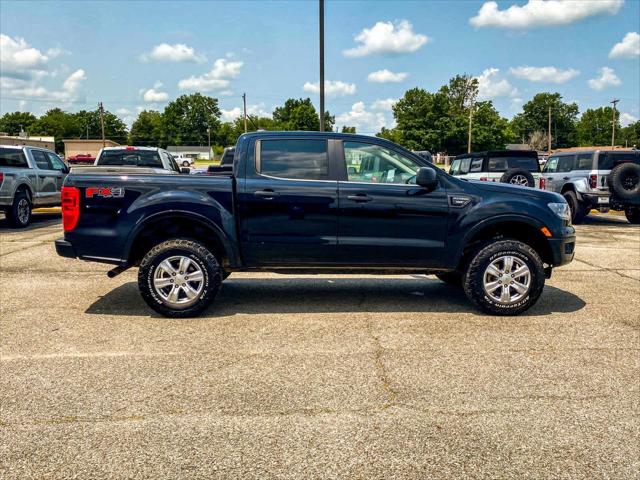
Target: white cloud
{"type": "Point", "coordinates": [30, 89]}
{"type": "Point", "coordinates": [257, 110]}
{"type": "Point", "coordinates": [607, 78]}
{"type": "Point", "coordinates": [154, 95]}
{"type": "Point", "coordinates": [385, 104]}
{"type": "Point", "coordinates": [178, 52]}
{"type": "Point", "coordinates": [386, 76]}
{"type": "Point", "coordinates": [218, 78]}
{"type": "Point", "coordinates": [17, 58]}
{"type": "Point", "coordinates": [544, 74]}
{"type": "Point", "coordinates": [627, 119]}
{"type": "Point", "coordinates": [629, 47]}
{"type": "Point", "coordinates": [362, 119]}
{"type": "Point", "coordinates": [542, 13]}
{"type": "Point", "coordinates": [492, 85]}
{"type": "Point", "coordinates": [332, 88]}
{"type": "Point", "coordinates": [387, 37]}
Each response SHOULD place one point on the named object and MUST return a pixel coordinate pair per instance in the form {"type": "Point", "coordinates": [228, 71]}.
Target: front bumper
{"type": "Point", "coordinates": [65, 249]}
{"type": "Point", "coordinates": [563, 247]}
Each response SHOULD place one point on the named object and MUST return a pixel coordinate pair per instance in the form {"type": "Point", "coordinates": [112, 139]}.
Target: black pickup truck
{"type": "Point", "coordinates": [311, 202]}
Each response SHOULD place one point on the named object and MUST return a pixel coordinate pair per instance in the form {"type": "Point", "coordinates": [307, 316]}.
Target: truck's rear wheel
{"type": "Point", "coordinates": [179, 278]}
{"type": "Point", "coordinates": [19, 213]}
{"type": "Point", "coordinates": [504, 278]}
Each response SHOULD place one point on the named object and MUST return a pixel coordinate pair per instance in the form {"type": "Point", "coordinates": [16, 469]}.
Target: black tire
{"type": "Point", "coordinates": [203, 259]}
{"type": "Point", "coordinates": [473, 280]}
{"type": "Point", "coordinates": [451, 278]}
{"type": "Point", "coordinates": [578, 210]}
{"type": "Point", "coordinates": [633, 215]}
{"type": "Point", "coordinates": [517, 176]}
{"type": "Point", "coordinates": [16, 214]}
{"type": "Point", "coordinates": [624, 181]}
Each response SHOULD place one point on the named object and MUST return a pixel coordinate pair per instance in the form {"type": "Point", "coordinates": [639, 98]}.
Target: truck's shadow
{"type": "Point", "coordinates": [38, 220]}
{"type": "Point", "coordinates": [339, 295]}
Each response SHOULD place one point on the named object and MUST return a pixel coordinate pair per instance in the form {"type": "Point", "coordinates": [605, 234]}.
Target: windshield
{"type": "Point", "coordinates": [131, 158]}
{"type": "Point", "coordinates": [502, 164]}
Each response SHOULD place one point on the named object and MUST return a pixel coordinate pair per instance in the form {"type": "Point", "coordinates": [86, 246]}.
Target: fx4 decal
{"type": "Point", "coordinates": [104, 192]}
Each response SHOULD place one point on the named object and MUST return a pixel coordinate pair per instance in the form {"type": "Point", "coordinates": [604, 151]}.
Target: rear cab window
{"type": "Point", "coordinates": [13, 158]}
{"type": "Point", "coordinates": [298, 159]}
{"type": "Point", "coordinates": [607, 160]}
{"type": "Point", "coordinates": [131, 158]}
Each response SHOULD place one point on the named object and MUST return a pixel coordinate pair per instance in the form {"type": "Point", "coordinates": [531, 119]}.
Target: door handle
{"type": "Point", "coordinates": [565, 178]}
{"type": "Point", "coordinates": [360, 197]}
{"type": "Point", "coordinates": [266, 194]}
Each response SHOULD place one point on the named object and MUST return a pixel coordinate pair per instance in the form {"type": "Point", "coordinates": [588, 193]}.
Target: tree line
{"type": "Point", "coordinates": [436, 121]}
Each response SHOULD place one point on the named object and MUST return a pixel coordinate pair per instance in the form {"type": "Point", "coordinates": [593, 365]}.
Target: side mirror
{"type": "Point", "coordinates": [186, 170]}
{"type": "Point", "coordinates": [427, 178]}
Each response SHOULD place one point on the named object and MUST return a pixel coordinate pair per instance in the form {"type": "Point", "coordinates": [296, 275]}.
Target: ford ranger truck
{"type": "Point", "coordinates": [311, 202]}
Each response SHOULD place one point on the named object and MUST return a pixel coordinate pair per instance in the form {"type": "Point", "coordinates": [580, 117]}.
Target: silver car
{"type": "Point", "coordinates": [582, 177]}
{"type": "Point", "coordinates": [29, 177]}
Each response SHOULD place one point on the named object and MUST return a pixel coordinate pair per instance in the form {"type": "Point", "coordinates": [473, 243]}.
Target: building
{"type": "Point", "coordinates": [44, 142]}
{"type": "Point", "coordinates": [197, 153]}
{"type": "Point", "coordinates": [79, 146]}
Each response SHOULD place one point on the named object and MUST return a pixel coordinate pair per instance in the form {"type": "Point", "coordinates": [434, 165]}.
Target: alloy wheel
{"type": "Point", "coordinates": [507, 280]}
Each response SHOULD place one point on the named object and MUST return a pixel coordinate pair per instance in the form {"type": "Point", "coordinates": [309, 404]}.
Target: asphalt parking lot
{"type": "Point", "coordinates": [319, 376]}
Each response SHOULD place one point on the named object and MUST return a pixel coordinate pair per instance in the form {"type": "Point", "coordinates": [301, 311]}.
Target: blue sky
{"type": "Point", "coordinates": [140, 55]}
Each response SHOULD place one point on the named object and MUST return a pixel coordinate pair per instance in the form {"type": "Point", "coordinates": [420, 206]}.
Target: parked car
{"type": "Point", "coordinates": [148, 157]}
{"type": "Point", "coordinates": [82, 158]}
{"type": "Point", "coordinates": [226, 162]}
{"type": "Point", "coordinates": [596, 179]}
{"type": "Point", "coordinates": [317, 202]}
{"type": "Point", "coordinates": [184, 161]}
{"type": "Point", "coordinates": [517, 167]}
{"type": "Point", "coordinates": [29, 177]}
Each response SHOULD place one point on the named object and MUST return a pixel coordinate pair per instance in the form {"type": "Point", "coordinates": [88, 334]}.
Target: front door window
{"type": "Point", "coordinates": [375, 164]}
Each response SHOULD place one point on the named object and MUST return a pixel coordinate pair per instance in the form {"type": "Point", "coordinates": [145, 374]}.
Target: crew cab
{"type": "Point", "coordinates": [30, 177]}
{"type": "Point", "coordinates": [316, 202]}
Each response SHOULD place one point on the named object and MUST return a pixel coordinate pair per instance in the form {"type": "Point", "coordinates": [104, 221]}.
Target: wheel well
{"type": "Point", "coordinates": [167, 228]}
{"type": "Point", "coordinates": [520, 231]}
{"type": "Point", "coordinates": [25, 188]}
{"type": "Point", "coordinates": [567, 187]}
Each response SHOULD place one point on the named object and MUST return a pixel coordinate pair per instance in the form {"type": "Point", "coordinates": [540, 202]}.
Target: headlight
{"type": "Point", "coordinates": [562, 210]}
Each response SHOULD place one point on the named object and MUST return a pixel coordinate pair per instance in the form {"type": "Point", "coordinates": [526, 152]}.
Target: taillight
{"type": "Point", "coordinates": [593, 181]}
{"type": "Point", "coordinates": [70, 208]}
{"type": "Point", "coordinates": [543, 182]}
{"type": "Point", "coordinates": [483, 179]}
{"type": "Point", "coordinates": [1, 178]}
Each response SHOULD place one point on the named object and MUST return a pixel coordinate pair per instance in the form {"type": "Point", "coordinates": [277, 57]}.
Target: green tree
{"type": "Point", "coordinates": [535, 117]}
{"type": "Point", "coordinates": [346, 129]}
{"type": "Point", "coordinates": [56, 123]}
{"type": "Point", "coordinates": [594, 126]}
{"type": "Point", "coordinates": [13, 122]}
{"type": "Point", "coordinates": [629, 135]}
{"type": "Point", "coordinates": [189, 117]}
{"type": "Point", "coordinates": [490, 131]}
{"type": "Point", "coordinates": [391, 134]}
{"type": "Point", "coordinates": [148, 130]}
{"type": "Point", "coordinates": [300, 114]}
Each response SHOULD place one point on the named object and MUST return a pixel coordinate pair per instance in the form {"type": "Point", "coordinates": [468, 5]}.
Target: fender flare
{"type": "Point", "coordinates": [578, 186]}
{"type": "Point", "coordinates": [23, 182]}
{"type": "Point", "coordinates": [484, 224]}
{"type": "Point", "coordinates": [225, 241]}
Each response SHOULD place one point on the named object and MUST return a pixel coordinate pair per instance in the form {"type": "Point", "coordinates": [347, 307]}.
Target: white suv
{"type": "Point", "coordinates": [184, 161]}
{"type": "Point", "coordinates": [517, 167]}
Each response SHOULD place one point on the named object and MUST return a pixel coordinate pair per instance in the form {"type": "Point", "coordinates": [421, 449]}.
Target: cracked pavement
{"type": "Point", "coordinates": [319, 376]}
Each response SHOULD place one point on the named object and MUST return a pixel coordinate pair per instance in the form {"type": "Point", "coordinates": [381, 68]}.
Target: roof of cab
{"type": "Point", "coordinates": [500, 153]}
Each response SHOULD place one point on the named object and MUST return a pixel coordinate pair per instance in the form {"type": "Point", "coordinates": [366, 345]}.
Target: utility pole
{"type": "Point", "coordinates": [244, 101]}
{"type": "Point", "coordinates": [101, 108]}
{"type": "Point", "coordinates": [209, 141]}
{"type": "Point", "coordinates": [549, 132]}
{"type": "Point", "coordinates": [321, 22]}
{"type": "Point", "coordinates": [613, 122]}
{"type": "Point", "coordinates": [470, 127]}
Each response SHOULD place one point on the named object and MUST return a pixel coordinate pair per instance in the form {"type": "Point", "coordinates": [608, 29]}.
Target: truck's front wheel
{"type": "Point", "coordinates": [504, 278]}
{"type": "Point", "coordinates": [179, 278]}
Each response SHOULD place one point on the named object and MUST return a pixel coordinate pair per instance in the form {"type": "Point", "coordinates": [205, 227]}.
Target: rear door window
{"type": "Point", "coordinates": [12, 157]}
{"type": "Point", "coordinates": [565, 163]}
{"type": "Point", "coordinates": [304, 159]}
{"type": "Point", "coordinates": [584, 162]}
{"type": "Point", "coordinates": [41, 160]}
